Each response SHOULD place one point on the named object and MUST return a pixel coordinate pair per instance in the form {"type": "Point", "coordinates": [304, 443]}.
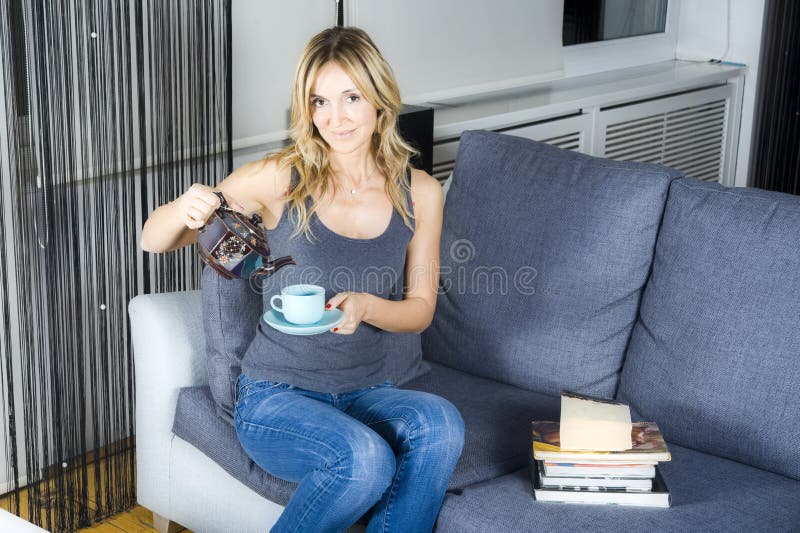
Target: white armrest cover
{"type": "Point", "coordinates": [169, 353]}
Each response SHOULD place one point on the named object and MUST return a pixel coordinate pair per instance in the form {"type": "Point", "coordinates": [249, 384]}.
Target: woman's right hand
{"type": "Point", "coordinates": [199, 202]}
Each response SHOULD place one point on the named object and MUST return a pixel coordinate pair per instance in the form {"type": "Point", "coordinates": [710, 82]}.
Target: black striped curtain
{"type": "Point", "coordinates": [108, 108]}
{"type": "Point", "coordinates": [775, 159]}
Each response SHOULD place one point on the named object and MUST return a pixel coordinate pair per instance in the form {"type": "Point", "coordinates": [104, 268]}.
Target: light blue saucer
{"type": "Point", "coordinates": [330, 319]}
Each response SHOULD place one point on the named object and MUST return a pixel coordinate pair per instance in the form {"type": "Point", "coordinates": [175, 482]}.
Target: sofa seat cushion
{"type": "Point", "coordinates": [544, 254]}
{"type": "Point", "coordinates": [497, 419]}
{"type": "Point", "coordinates": [715, 354]}
{"type": "Point", "coordinates": [196, 422]}
{"type": "Point", "coordinates": [709, 494]}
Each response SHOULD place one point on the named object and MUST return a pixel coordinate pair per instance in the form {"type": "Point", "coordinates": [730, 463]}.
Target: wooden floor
{"type": "Point", "coordinates": [137, 520]}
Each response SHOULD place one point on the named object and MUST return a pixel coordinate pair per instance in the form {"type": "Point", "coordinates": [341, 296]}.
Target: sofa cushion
{"type": "Point", "coordinates": [231, 312]}
{"type": "Point", "coordinates": [197, 423]}
{"type": "Point", "coordinates": [544, 253]}
{"type": "Point", "coordinates": [715, 354]}
{"type": "Point", "coordinates": [497, 419]}
{"type": "Point", "coordinates": [709, 494]}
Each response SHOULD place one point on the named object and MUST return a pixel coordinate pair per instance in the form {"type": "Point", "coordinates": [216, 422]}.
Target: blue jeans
{"type": "Point", "coordinates": [380, 450]}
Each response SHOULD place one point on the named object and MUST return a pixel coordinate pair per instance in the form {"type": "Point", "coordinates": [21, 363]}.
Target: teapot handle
{"type": "Point", "coordinates": [222, 201]}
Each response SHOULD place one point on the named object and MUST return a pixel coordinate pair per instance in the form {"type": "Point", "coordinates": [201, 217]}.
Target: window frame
{"type": "Point", "coordinates": [601, 56]}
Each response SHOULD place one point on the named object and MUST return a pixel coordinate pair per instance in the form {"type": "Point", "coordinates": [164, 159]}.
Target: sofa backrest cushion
{"type": "Point", "coordinates": [544, 253]}
{"type": "Point", "coordinates": [714, 357]}
{"type": "Point", "coordinates": [231, 313]}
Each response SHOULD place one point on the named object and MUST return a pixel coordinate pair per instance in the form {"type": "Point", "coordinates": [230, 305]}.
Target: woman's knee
{"type": "Point", "coordinates": [439, 421]}
{"type": "Point", "coordinates": [454, 424]}
{"type": "Point", "coordinates": [367, 460]}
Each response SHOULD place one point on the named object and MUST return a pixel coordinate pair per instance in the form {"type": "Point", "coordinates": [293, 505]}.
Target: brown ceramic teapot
{"type": "Point", "coordinates": [236, 246]}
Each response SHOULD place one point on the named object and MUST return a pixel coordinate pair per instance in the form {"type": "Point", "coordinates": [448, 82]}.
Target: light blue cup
{"type": "Point", "coordinates": [300, 304]}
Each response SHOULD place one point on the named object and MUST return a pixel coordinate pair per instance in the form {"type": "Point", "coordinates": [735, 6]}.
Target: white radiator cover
{"type": "Point", "coordinates": [686, 132]}
{"type": "Point", "coordinates": [692, 127]}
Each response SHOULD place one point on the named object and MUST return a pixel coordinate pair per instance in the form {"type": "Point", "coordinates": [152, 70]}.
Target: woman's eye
{"type": "Point", "coordinates": [316, 102]}
{"type": "Point", "coordinates": [353, 98]}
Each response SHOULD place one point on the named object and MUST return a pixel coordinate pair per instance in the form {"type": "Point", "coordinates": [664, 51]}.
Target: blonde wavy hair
{"type": "Point", "coordinates": [353, 50]}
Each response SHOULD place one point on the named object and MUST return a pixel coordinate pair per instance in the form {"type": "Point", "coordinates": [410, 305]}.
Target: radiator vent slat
{"type": "Point", "coordinates": [669, 132]}
{"type": "Point", "coordinates": [441, 171]}
{"type": "Point", "coordinates": [690, 139]}
{"type": "Point", "coordinates": [676, 115]}
{"type": "Point", "coordinates": [687, 135]}
{"type": "Point", "coordinates": [444, 166]}
{"type": "Point", "coordinates": [571, 141]}
{"type": "Point", "coordinates": [691, 167]}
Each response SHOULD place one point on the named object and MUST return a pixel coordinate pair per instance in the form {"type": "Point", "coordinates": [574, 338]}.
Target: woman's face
{"type": "Point", "coordinates": [343, 117]}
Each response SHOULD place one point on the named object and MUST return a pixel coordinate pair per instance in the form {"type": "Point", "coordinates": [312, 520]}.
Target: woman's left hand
{"type": "Point", "coordinates": [354, 307]}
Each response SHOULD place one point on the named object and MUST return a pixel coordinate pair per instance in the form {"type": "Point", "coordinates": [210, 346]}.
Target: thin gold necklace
{"type": "Point", "coordinates": [354, 190]}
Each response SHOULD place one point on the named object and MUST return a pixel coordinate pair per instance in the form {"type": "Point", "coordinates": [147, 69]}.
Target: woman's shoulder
{"type": "Point", "coordinates": [257, 184]}
{"type": "Point", "coordinates": [422, 178]}
{"type": "Point", "coordinates": [426, 192]}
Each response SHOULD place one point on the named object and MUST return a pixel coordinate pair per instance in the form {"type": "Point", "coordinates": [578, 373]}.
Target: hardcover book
{"type": "Point", "coordinates": [599, 469]}
{"type": "Point", "coordinates": [657, 497]}
{"type": "Point", "coordinates": [606, 482]}
{"type": "Point", "coordinates": [648, 446]}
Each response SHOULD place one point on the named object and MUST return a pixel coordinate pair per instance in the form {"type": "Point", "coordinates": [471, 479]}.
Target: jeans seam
{"type": "Point", "coordinates": [295, 433]}
{"type": "Point", "coordinates": [392, 492]}
{"type": "Point", "coordinates": [311, 504]}
{"type": "Point", "coordinates": [398, 468]}
{"type": "Point", "coordinates": [411, 426]}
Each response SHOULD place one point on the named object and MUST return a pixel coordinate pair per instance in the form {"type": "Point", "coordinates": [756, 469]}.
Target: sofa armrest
{"type": "Point", "coordinates": [169, 353]}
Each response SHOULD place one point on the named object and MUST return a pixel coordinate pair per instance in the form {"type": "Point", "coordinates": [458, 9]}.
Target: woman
{"type": "Point", "coordinates": [343, 200]}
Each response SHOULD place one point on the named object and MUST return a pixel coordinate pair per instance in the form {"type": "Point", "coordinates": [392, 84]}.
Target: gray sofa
{"type": "Point", "coordinates": [559, 270]}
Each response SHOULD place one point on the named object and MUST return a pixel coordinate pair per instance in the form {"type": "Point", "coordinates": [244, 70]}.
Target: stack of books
{"type": "Point", "coordinates": [627, 475]}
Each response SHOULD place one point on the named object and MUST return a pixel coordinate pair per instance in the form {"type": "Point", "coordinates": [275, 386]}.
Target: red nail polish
{"type": "Point", "coordinates": [334, 329]}
{"type": "Point", "coordinates": [327, 306]}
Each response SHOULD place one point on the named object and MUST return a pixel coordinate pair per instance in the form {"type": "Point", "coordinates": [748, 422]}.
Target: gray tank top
{"type": "Point", "coordinates": [329, 362]}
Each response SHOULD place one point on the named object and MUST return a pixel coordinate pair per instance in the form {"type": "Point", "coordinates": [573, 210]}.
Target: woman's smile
{"type": "Point", "coordinates": [344, 134]}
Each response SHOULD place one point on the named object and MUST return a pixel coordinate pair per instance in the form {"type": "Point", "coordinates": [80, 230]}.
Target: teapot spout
{"type": "Point", "coordinates": [271, 267]}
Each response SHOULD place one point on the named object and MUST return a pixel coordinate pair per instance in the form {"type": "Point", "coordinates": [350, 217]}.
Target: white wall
{"type": "Point", "coordinates": [696, 30]}
{"type": "Point", "coordinates": [704, 33]}
{"type": "Point", "coordinates": [268, 39]}
{"type": "Point", "coordinates": [449, 49]}
{"type": "Point", "coordinates": [439, 50]}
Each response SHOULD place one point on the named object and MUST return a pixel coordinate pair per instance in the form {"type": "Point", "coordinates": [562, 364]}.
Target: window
{"type": "Point", "coordinates": [587, 21]}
